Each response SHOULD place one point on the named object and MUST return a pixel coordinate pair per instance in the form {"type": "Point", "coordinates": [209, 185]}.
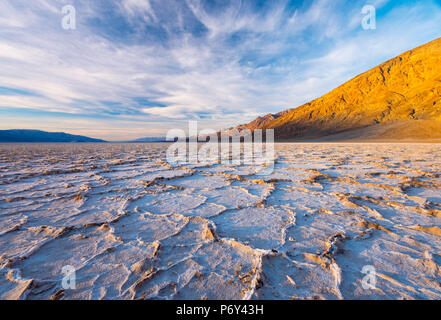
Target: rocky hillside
{"type": "Point", "coordinates": [400, 99]}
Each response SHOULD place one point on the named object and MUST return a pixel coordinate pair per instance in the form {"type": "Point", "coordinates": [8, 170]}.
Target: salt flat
{"type": "Point", "coordinates": [134, 227]}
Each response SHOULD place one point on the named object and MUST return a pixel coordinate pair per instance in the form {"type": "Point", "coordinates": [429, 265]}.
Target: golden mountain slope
{"type": "Point", "coordinates": [400, 99]}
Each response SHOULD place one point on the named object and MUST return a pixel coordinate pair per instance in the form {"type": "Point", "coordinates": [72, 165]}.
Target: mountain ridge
{"type": "Point", "coordinates": [404, 89]}
{"type": "Point", "coordinates": [150, 139]}
{"type": "Point", "coordinates": [39, 136]}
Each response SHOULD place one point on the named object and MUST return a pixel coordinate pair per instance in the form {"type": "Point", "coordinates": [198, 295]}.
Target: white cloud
{"type": "Point", "coordinates": [283, 59]}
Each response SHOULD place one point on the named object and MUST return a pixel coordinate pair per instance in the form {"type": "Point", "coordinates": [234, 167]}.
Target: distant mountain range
{"type": "Point", "coordinates": [42, 136]}
{"type": "Point", "coordinates": [150, 139]}
{"type": "Point", "coordinates": [398, 100]}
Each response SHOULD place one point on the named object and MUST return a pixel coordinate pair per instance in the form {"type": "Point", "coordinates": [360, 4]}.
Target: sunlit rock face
{"type": "Point", "coordinates": [399, 99]}
{"type": "Point", "coordinates": [134, 227]}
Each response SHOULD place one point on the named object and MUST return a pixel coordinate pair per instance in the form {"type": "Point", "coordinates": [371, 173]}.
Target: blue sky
{"type": "Point", "coordinates": [135, 68]}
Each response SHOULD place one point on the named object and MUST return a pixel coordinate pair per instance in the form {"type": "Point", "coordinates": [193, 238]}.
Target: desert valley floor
{"type": "Point", "coordinates": [134, 227]}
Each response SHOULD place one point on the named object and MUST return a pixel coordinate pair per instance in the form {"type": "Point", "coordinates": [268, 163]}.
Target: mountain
{"type": "Point", "coordinates": [261, 122]}
{"type": "Point", "coordinates": [41, 136]}
{"type": "Point", "coordinates": [399, 99]}
{"type": "Point", "coordinates": [151, 139]}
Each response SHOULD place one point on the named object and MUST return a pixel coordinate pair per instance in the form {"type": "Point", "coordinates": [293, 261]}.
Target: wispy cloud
{"type": "Point", "coordinates": [154, 64]}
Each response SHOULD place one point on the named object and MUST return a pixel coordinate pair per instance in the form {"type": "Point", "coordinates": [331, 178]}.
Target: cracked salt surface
{"type": "Point", "coordinates": [135, 227]}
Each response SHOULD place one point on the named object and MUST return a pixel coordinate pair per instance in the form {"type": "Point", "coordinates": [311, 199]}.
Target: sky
{"type": "Point", "coordinates": [138, 68]}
